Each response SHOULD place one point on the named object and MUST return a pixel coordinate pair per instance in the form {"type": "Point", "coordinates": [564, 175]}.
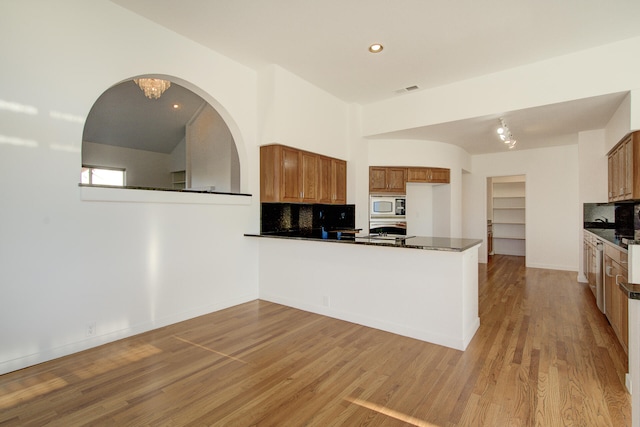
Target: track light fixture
{"type": "Point", "coordinates": [505, 134]}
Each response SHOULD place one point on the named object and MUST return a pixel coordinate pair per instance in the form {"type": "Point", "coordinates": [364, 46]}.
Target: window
{"type": "Point", "coordinates": [102, 176]}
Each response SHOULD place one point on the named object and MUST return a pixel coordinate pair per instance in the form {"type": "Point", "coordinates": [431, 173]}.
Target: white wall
{"type": "Point", "coordinates": [620, 123]}
{"type": "Point", "coordinates": [130, 260]}
{"type": "Point", "coordinates": [142, 168]}
{"type": "Point", "coordinates": [420, 209]}
{"type": "Point", "coordinates": [298, 114]}
{"type": "Point", "coordinates": [178, 159]}
{"type": "Point", "coordinates": [210, 152]}
{"type": "Point", "coordinates": [593, 178]}
{"type": "Point", "coordinates": [552, 209]}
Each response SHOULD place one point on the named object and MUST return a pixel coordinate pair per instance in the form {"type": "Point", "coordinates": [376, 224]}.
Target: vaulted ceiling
{"type": "Point", "coordinates": [122, 116]}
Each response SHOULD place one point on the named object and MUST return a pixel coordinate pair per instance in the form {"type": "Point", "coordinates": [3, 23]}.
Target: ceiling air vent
{"type": "Point", "coordinates": [408, 89]}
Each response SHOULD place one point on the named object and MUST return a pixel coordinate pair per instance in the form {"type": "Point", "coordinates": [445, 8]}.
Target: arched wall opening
{"type": "Point", "coordinates": [176, 140]}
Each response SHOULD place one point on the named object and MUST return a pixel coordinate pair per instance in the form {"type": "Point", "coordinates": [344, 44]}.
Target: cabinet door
{"type": "Point", "coordinates": [429, 175]}
{"type": "Point", "coordinates": [397, 180]}
{"type": "Point", "coordinates": [592, 264]}
{"type": "Point", "coordinates": [377, 179]}
{"type": "Point", "coordinates": [325, 191]}
{"type": "Point", "coordinates": [270, 173]}
{"type": "Point", "coordinates": [440, 175]}
{"type": "Point", "coordinates": [627, 169]}
{"type": "Point", "coordinates": [417, 174]}
{"type": "Point", "coordinates": [339, 181]}
{"type": "Point", "coordinates": [290, 175]}
{"type": "Point", "coordinates": [624, 319]}
{"type": "Point", "coordinates": [622, 309]}
{"type": "Point", "coordinates": [309, 177]}
{"type": "Point", "coordinates": [609, 283]}
{"type": "Point", "coordinates": [615, 301]}
{"type": "Point", "coordinates": [611, 177]}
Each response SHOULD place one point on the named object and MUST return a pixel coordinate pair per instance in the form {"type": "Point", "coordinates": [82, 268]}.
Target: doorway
{"type": "Point", "coordinates": [506, 215]}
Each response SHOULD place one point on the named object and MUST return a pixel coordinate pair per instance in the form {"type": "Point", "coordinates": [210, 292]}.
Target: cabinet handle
{"type": "Point", "coordinates": [607, 271]}
{"type": "Point", "coordinates": [619, 283]}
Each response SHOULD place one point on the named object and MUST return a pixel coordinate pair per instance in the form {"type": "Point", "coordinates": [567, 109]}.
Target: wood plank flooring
{"type": "Point", "coordinates": [544, 356]}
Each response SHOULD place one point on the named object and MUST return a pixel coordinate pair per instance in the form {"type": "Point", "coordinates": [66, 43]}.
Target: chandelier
{"type": "Point", "coordinates": [505, 134]}
{"type": "Point", "coordinates": [153, 88]}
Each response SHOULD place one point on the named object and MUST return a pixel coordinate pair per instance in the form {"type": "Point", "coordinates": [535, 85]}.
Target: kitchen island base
{"type": "Point", "coordinates": [430, 295]}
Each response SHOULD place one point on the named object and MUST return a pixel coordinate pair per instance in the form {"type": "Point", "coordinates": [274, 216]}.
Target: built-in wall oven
{"type": "Point", "coordinates": [387, 215]}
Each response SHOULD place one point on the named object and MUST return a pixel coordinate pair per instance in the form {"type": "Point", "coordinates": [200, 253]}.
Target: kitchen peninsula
{"type": "Point", "coordinates": [421, 287]}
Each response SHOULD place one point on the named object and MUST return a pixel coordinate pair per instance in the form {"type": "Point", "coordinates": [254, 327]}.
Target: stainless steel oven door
{"type": "Point", "coordinates": [389, 227]}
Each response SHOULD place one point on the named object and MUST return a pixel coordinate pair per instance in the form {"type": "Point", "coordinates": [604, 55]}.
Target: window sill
{"type": "Point", "coordinates": [102, 193]}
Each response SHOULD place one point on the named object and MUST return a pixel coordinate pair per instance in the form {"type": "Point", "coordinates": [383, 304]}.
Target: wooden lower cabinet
{"type": "Point", "coordinates": [616, 303]}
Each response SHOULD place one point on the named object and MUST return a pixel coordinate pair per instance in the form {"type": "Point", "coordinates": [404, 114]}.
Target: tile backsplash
{"type": "Point", "coordinates": [593, 211]}
{"type": "Point", "coordinates": [305, 219]}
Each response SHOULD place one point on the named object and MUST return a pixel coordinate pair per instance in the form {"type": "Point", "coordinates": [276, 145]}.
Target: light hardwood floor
{"type": "Point", "coordinates": [544, 355]}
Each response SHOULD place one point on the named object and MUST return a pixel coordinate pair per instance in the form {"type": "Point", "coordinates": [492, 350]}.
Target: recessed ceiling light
{"type": "Point", "coordinates": [376, 48]}
{"type": "Point", "coordinates": [176, 106]}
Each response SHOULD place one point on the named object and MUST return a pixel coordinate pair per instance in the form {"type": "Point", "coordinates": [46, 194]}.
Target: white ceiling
{"type": "Point", "coordinates": [427, 43]}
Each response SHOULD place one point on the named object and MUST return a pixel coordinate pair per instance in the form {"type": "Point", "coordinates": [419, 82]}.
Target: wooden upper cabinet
{"type": "Point", "coordinates": [397, 180]}
{"type": "Point", "coordinates": [270, 173]}
{"type": "Point", "coordinates": [377, 179]}
{"type": "Point", "coordinates": [390, 179]}
{"type": "Point", "coordinates": [611, 178]}
{"type": "Point", "coordinates": [440, 175]}
{"type": "Point", "coordinates": [291, 170]}
{"type": "Point", "coordinates": [324, 181]}
{"type": "Point", "coordinates": [332, 179]}
{"type": "Point", "coordinates": [623, 160]}
{"type": "Point", "coordinates": [428, 175]}
{"type": "Point", "coordinates": [387, 179]}
{"type": "Point", "coordinates": [338, 181]}
{"type": "Point", "coordinates": [309, 177]}
{"type": "Point", "coordinates": [291, 175]}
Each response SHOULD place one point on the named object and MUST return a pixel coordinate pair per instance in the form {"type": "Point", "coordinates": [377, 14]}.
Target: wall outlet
{"type": "Point", "coordinates": [91, 329]}
{"type": "Point", "coordinates": [326, 301]}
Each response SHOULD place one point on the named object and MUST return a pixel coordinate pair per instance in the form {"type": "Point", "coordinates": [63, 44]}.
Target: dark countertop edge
{"type": "Point", "coordinates": [473, 242]}
{"type": "Point", "coordinates": [632, 291]}
{"type": "Point", "coordinates": [172, 190]}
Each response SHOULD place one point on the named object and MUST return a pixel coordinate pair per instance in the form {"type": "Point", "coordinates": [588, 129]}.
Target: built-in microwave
{"type": "Point", "coordinates": [387, 206]}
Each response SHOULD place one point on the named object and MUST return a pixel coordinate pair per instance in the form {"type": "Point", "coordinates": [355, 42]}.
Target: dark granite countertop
{"type": "Point", "coordinates": [610, 235]}
{"type": "Point", "coordinates": [412, 242]}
